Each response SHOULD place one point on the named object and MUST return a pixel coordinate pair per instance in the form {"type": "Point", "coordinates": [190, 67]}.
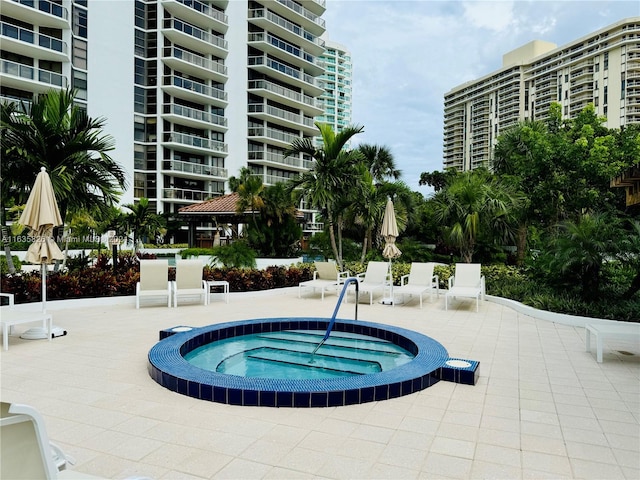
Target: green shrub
{"type": "Point", "coordinates": [4, 268]}
{"type": "Point", "coordinates": [237, 254]}
{"type": "Point", "coordinates": [196, 252]}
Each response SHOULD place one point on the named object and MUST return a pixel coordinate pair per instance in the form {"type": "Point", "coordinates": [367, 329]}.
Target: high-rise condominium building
{"type": "Point", "coordinates": [195, 90]}
{"type": "Point", "coordinates": [602, 68]}
{"type": "Point", "coordinates": [43, 45]}
{"type": "Point", "coordinates": [337, 87]}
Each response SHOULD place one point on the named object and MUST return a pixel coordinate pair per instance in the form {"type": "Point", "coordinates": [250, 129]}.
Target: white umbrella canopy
{"type": "Point", "coordinates": [389, 231]}
{"type": "Point", "coordinates": [41, 215]}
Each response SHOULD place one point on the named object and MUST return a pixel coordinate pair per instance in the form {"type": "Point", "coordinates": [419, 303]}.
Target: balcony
{"type": "Point", "coordinates": [283, 117]}
{"type": "Point", "coordinates": [194, 38]}
{"type": "Point", "coordinates": [187, 62]}
{"type": "Point", "coordinates": [271, 179]}
{"type": "Point", "coordinates": [198, 13]}
{"type": "Point", "coordinates": [193, 170]}
{"type": "Point", "coordinates": [194, 117]}
{"type": "Point", "coordinates": [194, 91]}
{"type": "Point", "coordinates": [32, 44]}
{"type": "Point", "coordinates": [16, 74]}
{"type": "Point", "coordinates": [285, 73]}
{"type": "Point", "coordinates": [313, 227]}
{"type": "Point", "coordinates": [185, 195]}
{"type": "Point", "coordinates": [309, 19]}
{"type": "Point", "coordinates": [287, 30]}
{"type": "Point", "coordinates": [310, 105]}
{"type": "Point", "coordinates": [272, 159]}
{"type": "Point", "coordinates": [40, 12]}
{"type": "Point", "coordinates": [286, 51]}
{"type": "Point", "coordinates": [272, 136]}
{"type": "Point", "coordinates": [192, 143]}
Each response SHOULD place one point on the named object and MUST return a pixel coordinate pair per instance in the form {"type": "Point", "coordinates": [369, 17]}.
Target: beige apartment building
{"type": "Point", "coordinates": [602, 68]}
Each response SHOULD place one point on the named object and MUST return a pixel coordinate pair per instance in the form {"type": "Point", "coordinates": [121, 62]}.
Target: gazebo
{"type": "Point", "coordinates": [220, 210]}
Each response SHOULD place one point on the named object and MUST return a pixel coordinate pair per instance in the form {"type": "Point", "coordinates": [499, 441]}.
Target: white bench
{"type": "Point", "coordinates": [10, 317]}
{"type": "Point", "coordinates": [615, 330]}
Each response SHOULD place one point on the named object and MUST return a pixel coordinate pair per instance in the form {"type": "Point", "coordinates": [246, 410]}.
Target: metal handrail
{"type": "Point", "coordinates": [335, 311]}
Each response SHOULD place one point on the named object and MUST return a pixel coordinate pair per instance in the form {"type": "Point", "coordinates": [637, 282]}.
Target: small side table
{"type": "Point", "coordinates": [217, 284]}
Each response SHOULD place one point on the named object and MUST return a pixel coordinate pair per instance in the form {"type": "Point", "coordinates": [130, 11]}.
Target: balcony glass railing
{"type": "Point", "coordinates": [280, 113]}
{"type": "Point", "coordinates": [197, 60]}
{"type": "Point", "coordinates": [282, 45]}
{"type": "Point", "coordinates": [285, 69]}
{"type": "Point", "coordinates": [194, 141]}
{"type": "Point", "coordinates": [29, 36]}
{"type": "Point", "coordinates": [195, 32]}
{"type": "Point", "coordinates": [195, 168]}
{"type": "Point", "coordinates": [185, 194]}
{"type": "Point", "coordinates": [31, 73]}
{"type": "Point", "coordinates": [272, 133]}
{"type": "Point", "coordinates": [285, 92]}
{"type": "Point", "coordinates": [303, 11]}
{"type": "Point", "coordinates": [205, 9]}
{"type": "Point", "coordinates": [195, 114]}
{"type": "Point", "coordinates": [195, 87]}
{"type": "Point", "coordinates": [275, 158]}
{"type": "Point", "coordinates": [47, 7]}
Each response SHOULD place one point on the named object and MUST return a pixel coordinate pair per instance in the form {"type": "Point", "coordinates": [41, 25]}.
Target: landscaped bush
{"type": "Point", "coordinates": [4, 268]}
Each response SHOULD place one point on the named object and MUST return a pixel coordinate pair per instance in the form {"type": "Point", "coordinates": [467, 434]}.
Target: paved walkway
{"type": "Point", "coordinates": [543, 408]}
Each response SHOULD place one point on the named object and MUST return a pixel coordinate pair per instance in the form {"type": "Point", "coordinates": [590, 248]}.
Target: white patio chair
{"type": "Point", "coordinates": [154, 280]}
{"type": "Point", "coordinates": [419, 281]}
{"type": "Point", "coordinates": [468, 282]}
{"type": "Point", "coordinates": [326, 277]}
{"type": "Point", "coordinates": [375, 278]}
{"type": "Point", "coordinates": [189, 281]}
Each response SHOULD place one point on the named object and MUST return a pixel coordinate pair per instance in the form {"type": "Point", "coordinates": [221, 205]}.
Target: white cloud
{"type": "Point", "coordinates": [496, 15]}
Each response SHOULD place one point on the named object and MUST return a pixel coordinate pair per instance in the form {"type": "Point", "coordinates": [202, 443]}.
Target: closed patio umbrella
{"type": "Point", "coordinates": [41, 215]}
{"type": "Point", "coordinates": [389, 231]}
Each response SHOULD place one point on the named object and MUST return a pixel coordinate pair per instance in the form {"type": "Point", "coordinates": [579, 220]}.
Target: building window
{"type": "Point", "coordinates": [79, 80]}
{"type": "Point", "coordinates": [606, 61]}
{"type": "Point", "coordinates": [79, 58]}
{"type": "Point", "coordinates": [80, 22]}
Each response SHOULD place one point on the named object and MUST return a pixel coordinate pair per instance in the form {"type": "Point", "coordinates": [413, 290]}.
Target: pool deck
{"type": "Point", "coordinates": [543, 407]}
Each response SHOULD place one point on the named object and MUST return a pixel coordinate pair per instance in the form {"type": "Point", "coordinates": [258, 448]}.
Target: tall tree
{"type": "Point", "coordinates": [143, 222]}
{"type": "Point", "coordinates": [55, 133]}
{"type": "Point", "coordinates": [332, 176]}
{"type": "Point", "coordinates": [380, 162]}
{"type": "Point", "coordinates": [474, 204]}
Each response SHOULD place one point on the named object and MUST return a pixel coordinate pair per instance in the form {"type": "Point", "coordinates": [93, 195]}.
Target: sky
{"type": "Point", "coordinates": [407, 54]}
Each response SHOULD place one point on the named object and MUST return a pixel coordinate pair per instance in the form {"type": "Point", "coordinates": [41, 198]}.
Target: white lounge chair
{"type": "Point", "coordinates": [11, 316]}
{"type": "Point", "coordinates": [189, 281]}
{"type": "Point", "coordinates": [26, 452]}
{"type": "Point", "coordinates": [468, 282]}
{"type": "Point", "coordinates": [325, 277]}
{"type": "Point", "coordinates": [154, 280]}
{"type": "Point", "coordinates": [375, 278]}
{"type": "Point", "coordinates": [419, 281]}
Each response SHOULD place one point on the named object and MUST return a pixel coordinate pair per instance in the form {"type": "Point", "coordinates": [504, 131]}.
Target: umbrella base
{"type": "Point", "coordinates": [38, 333]}
{"type": "Point", "coordinates": [387, 301]}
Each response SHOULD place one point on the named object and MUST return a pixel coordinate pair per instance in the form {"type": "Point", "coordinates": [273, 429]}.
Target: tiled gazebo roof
{"type": "Point", "coordinates": [222, 205]}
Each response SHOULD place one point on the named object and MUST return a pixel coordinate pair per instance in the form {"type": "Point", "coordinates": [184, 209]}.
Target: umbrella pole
{"type": "Point", "coordinates": [43, 269]}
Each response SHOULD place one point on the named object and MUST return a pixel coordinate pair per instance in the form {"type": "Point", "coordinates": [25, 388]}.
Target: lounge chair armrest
{"type": "Point", "coordinates": [10, 296]}
{"type": "Point", "coordinates": [342, 276]}
{"type": "Point", "coordinates": [451, 281]}
{"type": "Point", "coordinates": [315, 274]}
{"type": "Point", "coordinates": [404, 279]}
{"type": "Point", "coordinates": [360, 276]}
{"type": "Point", "coordinates": [436, 281]}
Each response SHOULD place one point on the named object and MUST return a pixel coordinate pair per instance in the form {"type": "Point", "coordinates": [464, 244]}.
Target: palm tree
{"type": "Point", "coordinates": [249, 188]}
{"type": "Point", "coordinates": [332, 176]}
{"type": "Point", "coordinates": [380, 162]}
{"type": "Point", "coordinates": [143, 222]}
{"type": "Point", "coordinates": [475, 203]}
{"type": "Point", "coordinates": [57, 134]}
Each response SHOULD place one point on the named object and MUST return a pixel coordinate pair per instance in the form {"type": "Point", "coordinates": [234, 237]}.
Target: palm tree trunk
{"type": "Point", "coordinates": [7, 250]}
{"type": "Point", "coordinates": [365, 244]}
{"type": "Point", "coordinates": [332, 236]}
{"type": "Point", "coordinates": [521, 243]}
